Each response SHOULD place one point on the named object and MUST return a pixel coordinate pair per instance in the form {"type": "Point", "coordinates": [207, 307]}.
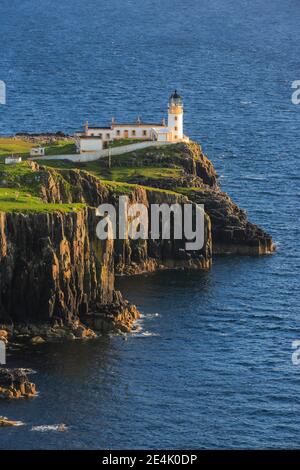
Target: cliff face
{"type": "Point", "coordinates": [52, 267]}
{"type": "Point", "coordinates": [231, 231]}
{"type": "Point", "coordinates": [54, 270]}
{"type": "Point", "coordinates": [131, 256]}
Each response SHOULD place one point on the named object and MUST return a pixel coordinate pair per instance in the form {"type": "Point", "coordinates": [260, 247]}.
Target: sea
{"type": "Point", "coordinates": [211, 365]}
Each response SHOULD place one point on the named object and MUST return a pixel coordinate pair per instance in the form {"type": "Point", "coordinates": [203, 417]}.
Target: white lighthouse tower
{"type": "Point", "coordinates": [175, 116]}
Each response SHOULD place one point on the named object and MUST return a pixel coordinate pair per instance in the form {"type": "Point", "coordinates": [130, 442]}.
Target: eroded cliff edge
{"type": "Point", "coordinates": [57, 278]}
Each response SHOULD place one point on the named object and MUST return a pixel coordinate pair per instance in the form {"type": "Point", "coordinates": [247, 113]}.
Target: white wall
{"type": "Point", "coordinates": [110, 134]}
{"type": "Point", "coordinates": [139, 132]}
{"type": "Point", "coordinates": [11, 161]}
{"type": "Point", "coordinates": [91, 145]}
{"type": "Point", "coordinates": [173, 122]}
{"type": "Point", "coordinates": [107, 134]}
{"type": "Point", "coordinates": [89, 157]}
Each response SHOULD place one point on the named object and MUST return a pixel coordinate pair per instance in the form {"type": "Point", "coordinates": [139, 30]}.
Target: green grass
{"type": "Point", "coordinates": [9, 146]}
{"type": "Point", "coordinates": [128, 188]}
{"type": "Point", "coordinates": [19, 146]}
{"type": "Point", "coordinates": [19, 176]}
{"type": "Point", "coordinates": [12, 199]}
{"type": "Point", "coordinates": [121, 142]}
{"type": "Point", "coordinates": [128, 173]}
{"type": "Point", "coordinates": [119, 188]}
{"type": "Point", "coordinates": [140, 154]}
{"type": "Point", "coordinates": [20, 189]}
{"type": "Point", "coordinates": [61, 147]}
{"type": "Point", "coordinates": [116, 173]}
{"type": "Point", "coordinates": [187, 191]}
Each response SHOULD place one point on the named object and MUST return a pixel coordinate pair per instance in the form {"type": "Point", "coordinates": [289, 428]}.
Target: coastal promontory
{"type": "Point", "coordinates": [58, 279]}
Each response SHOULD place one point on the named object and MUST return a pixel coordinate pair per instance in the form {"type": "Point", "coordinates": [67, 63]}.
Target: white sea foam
{"type": "Point", "coordinates": [28, 371]}
{"type": "Point", "coordinates": [143, 334]}
{"type": "Point", "coordinates": [254, 177]}
{"type": "Point", "coordinates": [151, 315]}
{"type": "Point", "coordinates": [50, 427]}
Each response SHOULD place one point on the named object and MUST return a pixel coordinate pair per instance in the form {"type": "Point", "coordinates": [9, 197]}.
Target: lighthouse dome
{"type": "Point", "coordinates": [175, 99]}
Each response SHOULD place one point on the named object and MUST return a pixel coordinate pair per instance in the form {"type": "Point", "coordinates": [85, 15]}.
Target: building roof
{"type": "Point", "coordinates": [164, 130]}
{"type": "Point", "coordinates": [84, 136]}
{"type": "Point", "coordinates": [100, 128]}
{"type": "Point", "coordinates": [175, 96]}
{"type": "Point", "coordinates": [138, 124]}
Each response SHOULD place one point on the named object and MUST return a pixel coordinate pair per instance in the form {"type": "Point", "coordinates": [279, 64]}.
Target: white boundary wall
{"type": "Point", "coordinates": [89, 157]}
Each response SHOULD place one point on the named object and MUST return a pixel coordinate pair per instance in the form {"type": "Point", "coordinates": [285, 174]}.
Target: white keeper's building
{"type": "Point", "coordinates": [93, 139]}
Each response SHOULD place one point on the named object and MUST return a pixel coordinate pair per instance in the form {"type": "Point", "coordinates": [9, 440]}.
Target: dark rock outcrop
{"type": "Point", "coordinates": [52, 267]}
{"type": "Point", "coordinates": [14, 383]}
{"type": "Point", "coordinates": [55, 272]}
{"type": "Point", "coordinates": [231, 230]}
{"type": "Point", "coordinates": [131, 256]}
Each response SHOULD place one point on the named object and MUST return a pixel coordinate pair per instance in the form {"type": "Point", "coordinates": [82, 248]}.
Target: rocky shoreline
{"type": "Point", "coordinates": [15, 384]}
{"type": "Point", "coordinates": [57, 278]}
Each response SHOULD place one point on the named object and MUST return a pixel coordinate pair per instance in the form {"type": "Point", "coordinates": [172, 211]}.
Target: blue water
{"type": "Point", "coordinates": [213, 369]}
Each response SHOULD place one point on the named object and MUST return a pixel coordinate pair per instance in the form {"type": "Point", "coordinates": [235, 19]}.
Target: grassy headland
{"type": "Point", "coordinates": [22, 146]}
{"type": "Point", "coordinates": [162, 169]}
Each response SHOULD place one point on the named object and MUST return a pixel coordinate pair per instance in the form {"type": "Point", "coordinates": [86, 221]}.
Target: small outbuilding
{"type": "Point", "coordinates": [88, 143]}
{"type": "Point", "coordinates": [12, 160]}
{"type": "Point", "coordinates": [37, 152]}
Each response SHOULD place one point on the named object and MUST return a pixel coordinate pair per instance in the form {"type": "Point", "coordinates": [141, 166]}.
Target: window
{"type": "Point", "coordinates": [176, 118]}
{"type": "Point", "coordinates": [107, 136]}
{"type": "Point", "coordinates": [100, 135]}
{"type": "Point", "coordinates": [144, 132]}
{"type": "Point", "coordinates": [92, 134]}
{"type": "Point", "coordinates": [175, 136]}
{"type": "Point", "coordinates": [176, 128]}
{"type": "Point", "coordinates": [133, 132]}
{"type": "Point", "coordinates": [118, 132]}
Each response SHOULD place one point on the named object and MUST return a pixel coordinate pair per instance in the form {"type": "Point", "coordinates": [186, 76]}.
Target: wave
{"type": "Point", "coordinates": [143, 334]}
{"type": "Point", "coordinates": [150, 315]}
{"type": "Point", "coordinates": [253, 178]}
{"type": "Point", "coordinates": [50, 427]}
{"type": "Point", "coordinates": [28, 371]}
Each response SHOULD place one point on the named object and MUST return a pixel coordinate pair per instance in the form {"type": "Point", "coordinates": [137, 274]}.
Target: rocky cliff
{"type": "Point", "coordinates": [14, 383]}
{"type": "Point", "coordinates": [131, 256]}
{"type": "Point", "coordinates": [54, 271]}
{"type": "Point", "coordinates": [57, 278]}
{"type": "Point", "coordinates": [232, 232]}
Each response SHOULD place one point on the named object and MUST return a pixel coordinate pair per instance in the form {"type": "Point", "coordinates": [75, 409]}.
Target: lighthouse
{"type": "Point", "coordinates": [175, 116]}
{"type": "Point", "coordinates": [97, 139]}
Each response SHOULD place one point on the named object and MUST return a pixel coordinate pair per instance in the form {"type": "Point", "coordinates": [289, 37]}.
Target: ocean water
{"type": "Point", "coordinates": [211, 366]}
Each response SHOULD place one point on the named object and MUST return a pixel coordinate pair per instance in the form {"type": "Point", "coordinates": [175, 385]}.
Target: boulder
{"type": "Point", "coordinates": [14, 383]}
{"type": "Point", "coordinates": [9, 422]}
{"type": "Point", "coordinates": [37, 340]}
